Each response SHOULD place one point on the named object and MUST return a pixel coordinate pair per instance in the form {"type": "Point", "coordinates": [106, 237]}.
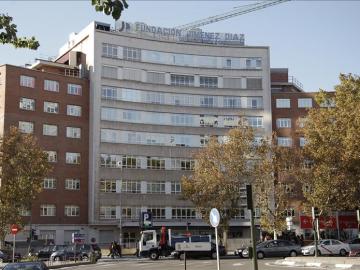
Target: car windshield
{"type": "Point", "coordinates": [23, 266]}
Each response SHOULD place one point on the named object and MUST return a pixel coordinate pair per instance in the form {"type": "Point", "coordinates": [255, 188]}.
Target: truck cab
{"type": "Point", "coordinates": [148, 240]}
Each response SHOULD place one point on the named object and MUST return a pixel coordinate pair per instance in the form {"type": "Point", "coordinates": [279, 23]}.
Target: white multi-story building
{"type": "Point", "coordinates": [156, 95]}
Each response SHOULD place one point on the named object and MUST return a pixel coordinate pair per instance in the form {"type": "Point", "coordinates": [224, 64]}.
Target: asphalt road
{"type": "Point", "coordinates": [172, 264]}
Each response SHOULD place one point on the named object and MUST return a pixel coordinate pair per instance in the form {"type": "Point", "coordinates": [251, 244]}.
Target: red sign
{"type": "Point", "coordinates": [345, 222]}
{"type": "Point", "coordinates": [348, 222]}
{"type": "Point", "coordinates": [14, 229]}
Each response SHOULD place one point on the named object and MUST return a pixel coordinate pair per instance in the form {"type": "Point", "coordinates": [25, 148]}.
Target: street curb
{"type": "Point", "coordinates": [68, 265]}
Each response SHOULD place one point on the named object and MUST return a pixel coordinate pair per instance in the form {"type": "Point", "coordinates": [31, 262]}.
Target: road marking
{"type": "Point", "coordinates": [237, 264]}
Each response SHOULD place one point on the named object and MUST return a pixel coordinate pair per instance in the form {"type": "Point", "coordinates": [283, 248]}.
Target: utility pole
{"type": "Point", "coordinates": [250, 206]}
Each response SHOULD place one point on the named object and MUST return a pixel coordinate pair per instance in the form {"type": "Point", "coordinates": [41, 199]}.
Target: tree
{"type": "Point", "coordinates": [8, 35]}
{"type": "Point", "coordinates": [332, 136]}
{"type": "Point", "coordinates": [221, 169]}
{"type": "Point", "coordinates": [275, 176]}
{"type": "Point", "coordinates": [23, 168]}
{"type": "Point", "coordinates": [110, 7]}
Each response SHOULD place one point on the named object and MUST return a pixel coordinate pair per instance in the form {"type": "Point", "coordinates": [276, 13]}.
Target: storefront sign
{"type": "Point", "coordinates": [196, 35]}
{"type": "Point", "coordinates": [345, 222]}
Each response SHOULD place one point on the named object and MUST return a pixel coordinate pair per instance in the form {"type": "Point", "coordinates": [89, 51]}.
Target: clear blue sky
{"type": "Point", "coordinates": [316, 40]}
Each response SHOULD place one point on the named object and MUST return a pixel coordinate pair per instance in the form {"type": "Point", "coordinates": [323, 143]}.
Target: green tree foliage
{"type": "Point", "coordinates": [23, 168]}
{"type": "Point", "coordinates": [333, 145]}
{"type": "Point", "coordinates": [221, 170]}
{"type": "Point", "coordinates": [110, 7]}
{"type": "Point", "coordinates": [275, 174]}
{"type": "Point", "coordinates": [8, 35]}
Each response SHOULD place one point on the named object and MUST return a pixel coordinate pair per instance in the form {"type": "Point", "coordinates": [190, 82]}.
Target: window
{"type": "Point", "coordinates": [27, 104]}
{"type": "Point", "coordinates": [204, 140]}
{"type": "Point", "coordinates": [108, 186]}
{"type": "Point", "coordinates": [253, 83]}
{"type": "Point", "coordinates": [289, 189]}
{"type": "Point", "coordinates": [156, 187]}
{"type": "Point", "coordinates": [51, 107]}
{"type": "Point", "coordinates": [26, 127]}
{"type": "Point", "coordinates": [132, 54]}
{"type": "Point", "coordinates": [72, 184]}
{"type": "Point", "coordinates": [254, 121]}
{"type": "Point", "coordinates": [182, 80]}
{"type": "Point", "coordinates": [208, 101]}
{"type": "Point", "coordinates": [27, 81]}
{"type": "Point", "coordinates": [129, 186]}
{"type": "Point", "coordinates": [73, 132]}
{"type": "Point", "coordinates": [52, 86]}
{"type": "Point", "coordinates": [156, 163]}
{"type": "Point", "coordinates": [282, 103]}
{"type": "Point", "coordinates": [72, 211]}
{"type": "Point", "coordinates": [284, 141]}
{"type": "Point", "coordinates": [130, 213]}
{"type": "Point", "coordinates": [283, 123]}
{"type": "Point", "coordinates": [175, 187]}
{"type": "Point", "coordinates": [302, 141]}
{"type": "Point", "coordinates": [52, 156]}
{"type": "Point", "coordinates": [111, 161]}
{"type": "Point", "coordinates": [73, 110]}
{"type": "Point", "coordinates": [74, 89]}
{"type": "Point", "coordinates": [50, 130]}
{"type": "Point", "coordinates": [157, 213]}
{"type": "Point", "coordinates": [232, 102]}
{"type": "Point", "coordinates": [47, 210]}
{"type": "Point", "coordinates": [72, 158]}
{"type": "Point", "coordinates": [182, 164]}
{"type": "Point", "coordinates": [25, 212]}
{"type": "Point", "coordinates": [107, 212]}
{"type": "Point", "coordinates": [301, 122]}
{"type": "Point", "coordinates": [109, 72]}
{"type": "Point", "coordinates": [304, 103]}
{"type": "Point", "coordinates": [109, 50]}
{"type": "Point", "coordinates": [49, 183]}
{"type": "Point", "coordinates": [208, 82]}
{"type": "Point", "coordinates": [183, 213]}
{"type": "Point", "coordinates": [130, 162]}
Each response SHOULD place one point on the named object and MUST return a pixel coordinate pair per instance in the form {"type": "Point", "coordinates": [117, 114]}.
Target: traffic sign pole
{"type": "Point", "coordinates": [214, 221]}
{"type": "Point", "coordinates": [217, 249]}
{"type": "Point", "coordinates": [13, 258]}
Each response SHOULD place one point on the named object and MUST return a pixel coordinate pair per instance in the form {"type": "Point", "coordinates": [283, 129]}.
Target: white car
{"type": "Point", "coordinates": [327, 247]}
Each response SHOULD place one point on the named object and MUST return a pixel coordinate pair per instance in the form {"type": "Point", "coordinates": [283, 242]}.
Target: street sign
{"type": "Point", "coordinates": [146, 220]}
{"type": "Point", "coordinates": [214, 217]}
{"type": "Point", "coordinates": [196, 246]}
{"type": "Point", "coordinates": [78, 238]}
{"type": "Point", "coordinates": [14, 229]}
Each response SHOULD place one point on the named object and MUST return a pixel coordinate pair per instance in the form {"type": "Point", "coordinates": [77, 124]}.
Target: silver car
{"type": "Point", "coordinates": [275, 248]}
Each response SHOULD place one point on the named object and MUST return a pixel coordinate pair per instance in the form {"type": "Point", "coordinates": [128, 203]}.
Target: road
{"type": "Point", "coordinates": [171, 264]}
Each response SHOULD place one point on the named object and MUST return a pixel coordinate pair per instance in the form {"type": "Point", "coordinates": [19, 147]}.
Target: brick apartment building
{"type": "Point", "coordinates": [290, 105]}
{"type": "Point", "coordinates": [51, 101]}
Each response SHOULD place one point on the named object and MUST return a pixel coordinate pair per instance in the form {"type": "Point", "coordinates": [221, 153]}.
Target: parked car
{"type": "Point", "coordinates": [26, 266]}
{"type": "Point", "coordinates": [327, 247]}
{"type": "Point", "coordinates": [354, 243]}
{"type": "Point", "coordinates": [6, 256]}
{"type": "Point", "coordinates": [66, 253]}
{"type": "Point", "coordinates": [87, 250]}
{"type": "Point", "coordinates": [45, 253]}
{"type": "Point", "coordinates": [200, 254]}
{"type": "Point", "coordinates": [275, 248]}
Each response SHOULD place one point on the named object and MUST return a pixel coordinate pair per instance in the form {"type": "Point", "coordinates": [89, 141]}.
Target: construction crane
{"type": "Point", "coordinates": [233, 13]}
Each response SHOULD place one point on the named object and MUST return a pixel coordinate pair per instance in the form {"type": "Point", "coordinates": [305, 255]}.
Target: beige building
{"type": "Point", "coordinates": [156, 95]}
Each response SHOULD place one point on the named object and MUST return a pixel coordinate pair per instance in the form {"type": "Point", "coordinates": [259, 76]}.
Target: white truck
{"type": "Point", "coordinates": [154, 245]}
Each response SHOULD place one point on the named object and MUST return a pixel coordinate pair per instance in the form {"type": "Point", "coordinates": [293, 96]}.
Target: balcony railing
{"type": "Point", "coordinates": [296, 82]}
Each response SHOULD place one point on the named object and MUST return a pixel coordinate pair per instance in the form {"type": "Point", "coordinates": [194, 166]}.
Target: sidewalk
{"type": "Point", "coordinates": [323, 262]}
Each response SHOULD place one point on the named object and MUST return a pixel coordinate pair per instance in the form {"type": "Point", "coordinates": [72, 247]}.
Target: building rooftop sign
{"type": "Point", "coordinates": [196, 35]}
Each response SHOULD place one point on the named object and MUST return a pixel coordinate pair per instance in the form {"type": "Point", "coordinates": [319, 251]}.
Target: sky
{"type": "Point", "coordinates": [316, 40]}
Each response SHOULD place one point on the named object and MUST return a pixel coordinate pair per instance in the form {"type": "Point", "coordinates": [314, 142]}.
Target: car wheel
{"type": "Point", "coordinates": [293, 253]}
{"type": "Point", "coordinates": [154, 255]}
{"type": "Point", "coordinates": [57, 259]}
{"type": "Point", "coordinates": [260, 255]}
{"type": "Point", "coordinates": [213, 255]}
{"type": "Point", "coordinates": [84, 258]}
{"type": "Point", "coordinates": [342, 252]}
